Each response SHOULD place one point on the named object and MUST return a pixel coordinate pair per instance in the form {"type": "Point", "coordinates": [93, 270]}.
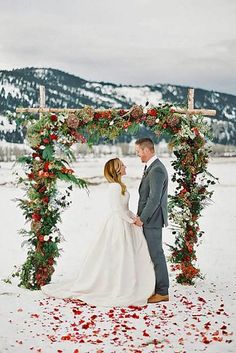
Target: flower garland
{"type": "Point", "coordinates": [43, 203]}
{"type": "Point", "coordinates": [191, 196]}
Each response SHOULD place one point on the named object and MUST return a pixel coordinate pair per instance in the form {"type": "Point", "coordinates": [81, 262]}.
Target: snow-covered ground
{"type": "Point", "coordinates": [198, 318]}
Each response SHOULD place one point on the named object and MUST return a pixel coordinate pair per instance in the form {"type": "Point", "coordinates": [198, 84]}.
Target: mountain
{"type": "Point", "coordinates": [20, 88]}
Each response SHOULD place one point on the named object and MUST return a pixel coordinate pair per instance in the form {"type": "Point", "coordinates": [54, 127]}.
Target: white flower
{"type": "Point", "coordinates": [41, 147]}
{"type": "Point", "coordinates": [157, 120]}
{"type": "Point", "coordinates": [111, 123]}
{"type": "Point", "coordinates": [46, 237]}
{"type": "Point", "coordinates": [61, 118]}
{"type": "Point", "coordinates": [37, 159]}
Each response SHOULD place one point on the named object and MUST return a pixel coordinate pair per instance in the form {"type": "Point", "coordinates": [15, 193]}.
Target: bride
{"type": "Point", "coordinates": [117, 270]}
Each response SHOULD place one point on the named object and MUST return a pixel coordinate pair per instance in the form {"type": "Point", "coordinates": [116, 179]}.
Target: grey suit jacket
{"type": "Point", "coordinates": [153, 193]}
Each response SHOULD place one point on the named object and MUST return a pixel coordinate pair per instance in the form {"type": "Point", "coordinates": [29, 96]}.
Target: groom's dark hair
{"type": "Point", "coordinates": [145, 142]}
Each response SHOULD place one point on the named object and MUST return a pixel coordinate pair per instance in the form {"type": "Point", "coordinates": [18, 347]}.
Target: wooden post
{"type": "Point", "coordinates": [190, 98]}
{"type": "Point", "coordinates": [42, 98]}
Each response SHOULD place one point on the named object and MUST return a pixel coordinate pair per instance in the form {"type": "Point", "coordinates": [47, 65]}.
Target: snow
{"type": "Point", "coordinates": [214, 97]}
{"type": "Point", "coordinates": [40, 73]}
{"type": "Point", "coordinates": [228, 113]}
{"type": "Point", "coordinates": [5, 124]}
{"type": "Point", "coordinates": [32, 323]}
{"type": "Point", "coordinates": [10, 89]}
{"type": "Point", "coordinates": [140, 95]}
{"type": "Point", "coordinates": [97, 98]}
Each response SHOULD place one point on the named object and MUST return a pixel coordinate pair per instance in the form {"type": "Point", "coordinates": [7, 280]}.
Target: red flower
{"type": "Point", "coordinates": [196, 131]}
{"type": "Point", "coordinates": [122, 112]}
{"type": "Point", "coordinates": [45, 199]}
{"type": "Point", "coordinates": [46, 141]}
{"type": "Point", "coordinates": [106, 115]}
{"type": "Point", "coordinates": [78, 136]}
{"type": "Point", "coordinates": [41, 238]}
{"type": "Point", "coordinates": [53, 137]}
{"type": "Point", "coordinates": [97, 116]}
{"type": "Point", "coordinates": [102, 115]}
{"type": "Point", "coordinates": [34, 155]}
{"type": "Point", "coordinates": [36, 217]}
{"type": "Point", "coordinates": [42, 189]}
{"type": "Point", "coordinates": [31, 175]}
{"type": "Point", "coordinates": [46, 166]}
{"type": "Point", "coordinates": [53, 117]}
{"type": "Point", "coordinates": [38, 276]}
{"type": "Point", "coordinates": [164, 126]}
{"type": "Point", "coordinates": [41, 173]}
{"type": "Point", "coordinates": [152, 112]}
{"type": "Point", "coordinates": [183, 191]}
{"type": "Point", "coordinates": [50, 261]}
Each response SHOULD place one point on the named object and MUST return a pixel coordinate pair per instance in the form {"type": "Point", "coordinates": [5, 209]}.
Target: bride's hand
{"type": "Point", "coordinates": [138, 222]}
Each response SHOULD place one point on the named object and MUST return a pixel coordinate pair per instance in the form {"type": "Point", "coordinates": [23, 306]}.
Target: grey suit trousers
{"type": "Point", "coordinates": [154, 241]}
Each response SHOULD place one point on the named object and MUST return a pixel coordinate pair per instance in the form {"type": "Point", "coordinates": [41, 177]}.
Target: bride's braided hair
{"type": "Point", "coordinates": [112, 172]}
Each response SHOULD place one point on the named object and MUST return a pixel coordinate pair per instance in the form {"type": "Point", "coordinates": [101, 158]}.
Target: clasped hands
{"type": "Point", "coordinates": [137, 221]}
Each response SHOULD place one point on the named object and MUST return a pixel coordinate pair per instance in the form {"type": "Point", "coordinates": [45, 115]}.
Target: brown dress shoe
{"type": "Point", "coordinates": [156, 298]}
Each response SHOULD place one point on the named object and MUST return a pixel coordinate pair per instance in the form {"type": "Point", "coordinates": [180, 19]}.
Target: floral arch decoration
{"type": "Point", "coordinates": [56, 130]}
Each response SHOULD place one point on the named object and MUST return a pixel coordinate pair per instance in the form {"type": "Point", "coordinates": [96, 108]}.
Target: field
{"type": "Point", "coordinates": [199, 318]}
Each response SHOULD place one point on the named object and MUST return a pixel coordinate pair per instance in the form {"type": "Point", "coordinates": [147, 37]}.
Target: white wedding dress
{"type": "Point", "coordinates": [117, 270]}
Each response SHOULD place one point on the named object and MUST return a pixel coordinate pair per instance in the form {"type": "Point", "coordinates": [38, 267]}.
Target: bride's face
{"type": "Point", "coordinates": [122, 169]}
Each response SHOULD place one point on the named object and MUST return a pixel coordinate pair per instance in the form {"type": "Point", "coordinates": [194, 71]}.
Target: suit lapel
{"type": "Point", "coordinates": [151, 165]}
{"type": "Point", "coordinates": [147, 171]}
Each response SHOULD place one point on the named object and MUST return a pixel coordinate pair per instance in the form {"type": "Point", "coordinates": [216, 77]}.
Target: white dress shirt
{"type": "Point", "coordinates": [151, 160]}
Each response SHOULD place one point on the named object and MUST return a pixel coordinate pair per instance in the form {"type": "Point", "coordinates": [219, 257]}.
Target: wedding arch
{"type": "Point", "coordinates": [50, 130]}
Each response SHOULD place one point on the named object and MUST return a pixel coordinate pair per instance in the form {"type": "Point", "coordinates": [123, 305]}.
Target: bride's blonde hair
{"type": "Point", "coordinates": [112, 172]}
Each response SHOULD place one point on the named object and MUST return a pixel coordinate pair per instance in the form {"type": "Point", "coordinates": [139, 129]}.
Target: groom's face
{"type": "Point", "coordinates": [143, 153]}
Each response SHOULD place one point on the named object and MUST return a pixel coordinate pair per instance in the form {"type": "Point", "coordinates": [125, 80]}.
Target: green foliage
{"type": "Point", "coordinates": [25, 159]}
{"type": "Point", "coordinates": [48, 153]}
{"type": "Point", "coordinates": [72, 179]}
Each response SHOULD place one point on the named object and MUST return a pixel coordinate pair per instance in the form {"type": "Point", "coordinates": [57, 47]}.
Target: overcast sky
{"type": "Point", "coordinates": [186, 42]}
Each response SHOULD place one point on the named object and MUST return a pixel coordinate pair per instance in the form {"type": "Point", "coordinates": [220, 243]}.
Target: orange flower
{"type": "Point", "coordinates": [67, 170]}
{"type": "Point", "coordinates": [43, 174]}
{"type": "Point", "coordinates": [127, 124]}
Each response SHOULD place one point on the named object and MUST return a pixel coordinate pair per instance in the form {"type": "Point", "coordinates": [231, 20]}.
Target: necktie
{"type": "Point", "coordinates": [144, 171]}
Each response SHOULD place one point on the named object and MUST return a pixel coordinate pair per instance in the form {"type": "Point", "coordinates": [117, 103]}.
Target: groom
{"type": "Point", "coordinates": [152, 213]}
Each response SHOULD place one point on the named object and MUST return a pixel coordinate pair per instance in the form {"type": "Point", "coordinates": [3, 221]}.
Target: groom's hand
{"type": "Point", "coordinates": [138, 222]}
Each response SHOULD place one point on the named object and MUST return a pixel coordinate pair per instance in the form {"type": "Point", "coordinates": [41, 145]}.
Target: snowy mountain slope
{"type": "Point", "coordinates": [20, 88]}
